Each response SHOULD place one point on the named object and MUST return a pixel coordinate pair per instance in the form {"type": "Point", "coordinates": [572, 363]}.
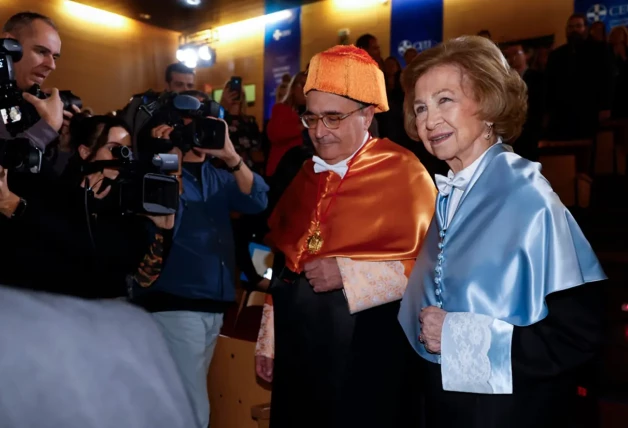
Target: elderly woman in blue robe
{"type": "Point", "coordinates": [503, 305]}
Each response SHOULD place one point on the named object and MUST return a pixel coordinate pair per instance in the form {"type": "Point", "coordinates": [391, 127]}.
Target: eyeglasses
{"type": "Point", "coordinates": [330, 120]}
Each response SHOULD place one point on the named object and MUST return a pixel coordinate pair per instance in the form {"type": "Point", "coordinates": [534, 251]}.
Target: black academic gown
{"type": "Point", "coordinates": [550, 359]}
{"type": "Point", "coordinates": [334, 369]}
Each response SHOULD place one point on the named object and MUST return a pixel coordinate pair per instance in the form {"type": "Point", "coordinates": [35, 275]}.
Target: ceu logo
{"type": "Point", "coordinates": [278, 34]}
{"type": "Point", "coordinates": [420, 46]}
{"type": "Point", "coordinates": [597, 12]}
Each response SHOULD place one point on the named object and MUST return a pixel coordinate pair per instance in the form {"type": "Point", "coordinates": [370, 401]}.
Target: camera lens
{"type": "Point", "coordinates": [121, 152]}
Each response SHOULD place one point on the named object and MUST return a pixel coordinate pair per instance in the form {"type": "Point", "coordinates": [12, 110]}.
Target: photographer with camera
{"type": "Point", "coordinates": [197, 283]}
{"type": "Point", "coordinates": [81, 243]}
{"type": "Point", "coordinates": [41, 47]}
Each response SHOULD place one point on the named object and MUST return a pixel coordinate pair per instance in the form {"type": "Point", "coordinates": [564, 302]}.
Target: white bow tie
{"type": "Point", "coordinates": [446, 184]}
{"type": "Point", "coordinates": [322, 166]}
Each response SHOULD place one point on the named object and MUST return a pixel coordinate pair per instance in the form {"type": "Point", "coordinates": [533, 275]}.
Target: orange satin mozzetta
{"type": "Point", "coordinates": [380, 213]}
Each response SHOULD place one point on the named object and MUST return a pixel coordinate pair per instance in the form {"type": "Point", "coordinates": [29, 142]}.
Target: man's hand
{"type": "Point", "coordinates": [64, 133]}
{"type": "Point", "coordinates": [264, 367]}
{"type": "Point", "coordinates": [228, 153]}
{"type": "Point", "coordinates": [8, 200]}
{"type": "Point", "coordinates": [324, 275]}
{"type": "Point", "coordinates": [50, 109]}
{"type": "Point", "coordinates": [432, 320]}
{"type": "Point", "coordinates": [165, 222]}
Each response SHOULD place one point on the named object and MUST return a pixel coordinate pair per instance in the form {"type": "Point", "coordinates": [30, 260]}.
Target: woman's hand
{"type": "Point", "coordinates": [228, 98]}
{"type": "Point", "coordinates": [165, 222]}
{"type": "Point", "coordinates": [95, 181]}
{"type": "Point", "coordinates": [161, 131]}
{"type": "Point", "coordinates": [432, 320]}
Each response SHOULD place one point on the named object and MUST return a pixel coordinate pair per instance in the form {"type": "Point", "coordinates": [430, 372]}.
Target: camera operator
{"type": "Point", "coordinates": [75, 241]}
{"type": "Point", "coordinates": [179, 78]}
{"type": "Point", "coordinates": [41, 47]}
{"type": "Point", "coordinates": [197, 284]}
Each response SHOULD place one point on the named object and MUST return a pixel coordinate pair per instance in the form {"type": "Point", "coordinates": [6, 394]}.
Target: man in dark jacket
{"type": "Point", "coordinates": [579, 84]}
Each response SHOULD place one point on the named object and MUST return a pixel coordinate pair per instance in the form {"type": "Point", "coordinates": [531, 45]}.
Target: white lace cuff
{"type": "Point", "coordinates": [370, 284]}
{"type": "Point", "coordinates": [476, 354]}
{"type": "Point", "coordinates": [265, 345]}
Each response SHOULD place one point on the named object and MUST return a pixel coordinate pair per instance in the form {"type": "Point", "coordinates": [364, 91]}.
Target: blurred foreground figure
{"type": "Point", "coordinates": [73, 363]}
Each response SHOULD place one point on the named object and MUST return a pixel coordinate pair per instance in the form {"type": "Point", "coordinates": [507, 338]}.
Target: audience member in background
{"type": "Point", "coordinates": [486, 34]}
{"type": "Point", "coordinates": [83, 244]}
{"type": "Point", "coordinates": [409, 55]}
{"type": "Point", "coordinates": [370, 44]}
{"type": "Point", "coordinates": [288, 167]}
{"type": "Point", "coordinates": [243, 129]}
{"type": "Point", "coordinates": [74, 363]}
{"type": "Point", "coordinates": [282, 89]}
{"type": "Point", "coordinates": [579, 83]}
{"type": "Point", "coordinates": [390, 123]}
{"type": "Point", "coordinates": [197, 284]}
{"type": "Point", "coordinates": [618, 40]}
{"type": "Point", "coordinates": [539, 58]}
{"type": "Point", "coordinates": [597, 32]}
{"type": "Point", "coordinates": [180, 78]}
{"type": "Point", "coordinates": [284, 127]}
{"type": "Point", "coordinates": [330, 339]}
{"type": "Point", "coordinates": [527, 144]}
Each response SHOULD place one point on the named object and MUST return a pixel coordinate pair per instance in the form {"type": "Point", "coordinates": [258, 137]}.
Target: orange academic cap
{"type": "Point", "coordinates": [349, 72]}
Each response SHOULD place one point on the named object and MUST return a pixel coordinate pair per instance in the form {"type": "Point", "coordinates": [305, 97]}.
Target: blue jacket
{"type": "Point", "coordinates": [201, 262]}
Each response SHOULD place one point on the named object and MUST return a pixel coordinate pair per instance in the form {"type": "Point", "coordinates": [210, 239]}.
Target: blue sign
{"type": "Point", "coordinates": [415, 24]}
{"type": "Point", "coordinates": [612, 13]}
{"type": "Point", "coordinates": [282, 51]}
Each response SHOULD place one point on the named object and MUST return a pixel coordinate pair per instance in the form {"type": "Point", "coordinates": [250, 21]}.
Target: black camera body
{"type": "Point", "coordinates": [67, 98]}
{"type": "Point", "coordinates": [141, 187]}
{"type": "Point", "coordinates": [17, 114]}
{"type": "Point", "coordinates": [185, 113]}
{"type": "Point", "coordinates": [19, 155]}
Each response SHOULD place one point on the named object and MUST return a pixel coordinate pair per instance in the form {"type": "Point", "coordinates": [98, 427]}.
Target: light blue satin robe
{"type": "Point", "coordinates": [510, 244]}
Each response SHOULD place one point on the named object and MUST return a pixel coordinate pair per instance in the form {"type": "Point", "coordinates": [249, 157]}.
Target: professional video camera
{"type": "Point", "coordinates": [185, 113]}
{"type": "Point", "coordinates": [141, 187]}
{"type": "Point", "coordinates": [17, 114]}
{"type": "Point", "coordinates": [19, 155]}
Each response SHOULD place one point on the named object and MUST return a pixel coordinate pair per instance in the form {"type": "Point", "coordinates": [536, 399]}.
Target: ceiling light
{"type": "Point", "coordinates": [204, 53]}
{"type": "Point", "coordinates": [193, 2]}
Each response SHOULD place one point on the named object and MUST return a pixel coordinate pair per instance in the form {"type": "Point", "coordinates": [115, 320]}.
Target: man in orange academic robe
{"type": "Point", "coordinates": [346, 233]}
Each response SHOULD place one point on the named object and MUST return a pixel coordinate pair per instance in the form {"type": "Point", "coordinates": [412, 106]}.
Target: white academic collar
{"type": "Point", "coordinates": [340, 168]}
{"type": "Point", "coordinates": [467, 173]}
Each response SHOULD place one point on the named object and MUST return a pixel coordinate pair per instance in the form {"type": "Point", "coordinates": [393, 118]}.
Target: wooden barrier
{"type": "Point", "coordinates": [233, 386]}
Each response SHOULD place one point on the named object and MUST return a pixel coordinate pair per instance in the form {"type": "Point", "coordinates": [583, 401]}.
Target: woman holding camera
{"type": "Point", "coordinates": [76, 241]}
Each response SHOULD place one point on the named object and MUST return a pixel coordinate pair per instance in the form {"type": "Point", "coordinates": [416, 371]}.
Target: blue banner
{"type": "Point", "coordinates": [415, 24]}
{"type": "Point", "coordinates": [282, 51]}
{"type": "Point", "coordinates": [612, 13]}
